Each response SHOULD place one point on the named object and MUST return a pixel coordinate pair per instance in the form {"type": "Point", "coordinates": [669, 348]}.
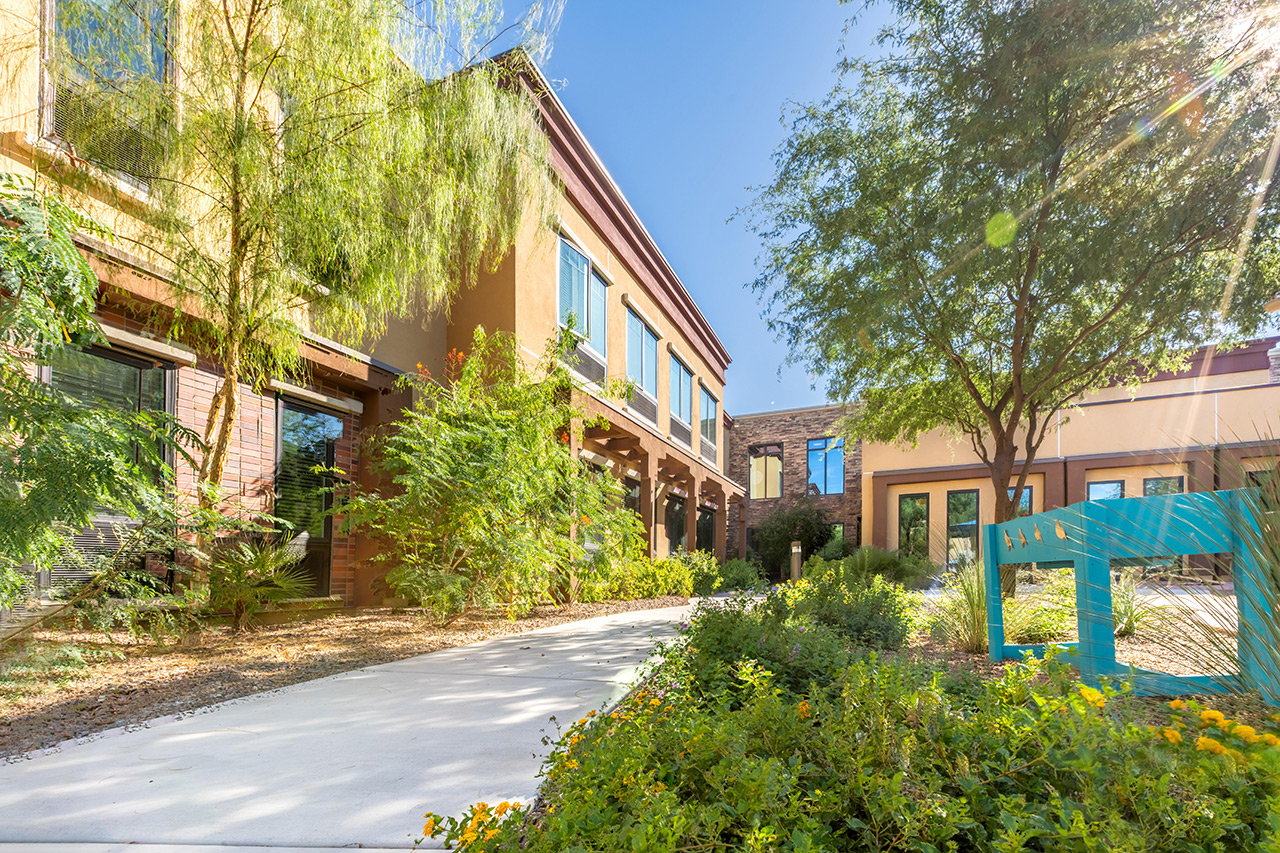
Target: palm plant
{"type": "Point", "coordinates": [244, 577]}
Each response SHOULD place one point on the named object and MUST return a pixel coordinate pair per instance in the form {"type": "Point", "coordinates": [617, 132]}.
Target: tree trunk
{"type": "Point", "coordinates": [1001, 467]}
{"type": "Point", "coordinates": [224, 412]}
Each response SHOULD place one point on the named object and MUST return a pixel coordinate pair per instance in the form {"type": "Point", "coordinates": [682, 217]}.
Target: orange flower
{"type": "Point", "coordinates": [1171, 735]}
{"type": "Point", "coordinates": [804, 711]}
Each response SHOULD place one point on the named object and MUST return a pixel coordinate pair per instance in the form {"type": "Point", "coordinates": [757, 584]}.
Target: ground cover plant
{"type": "Point", "coordinates": [775, 753]}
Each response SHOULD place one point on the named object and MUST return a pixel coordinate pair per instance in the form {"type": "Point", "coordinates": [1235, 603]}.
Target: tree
{"type": "Point", "coordinates": [806, 523]}
{"type": "Point", "coordinates": [1023, 202]}
{"type": "Point", "coordinates": [60, 462]}
{"type": "Point", "coordinates": [308, 163]}
{"type": "Point", "coordinates": [489, 506]}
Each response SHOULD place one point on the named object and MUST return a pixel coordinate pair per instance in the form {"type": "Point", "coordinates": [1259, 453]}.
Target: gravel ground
{"type": "Point", "coordinates": [69, 685]}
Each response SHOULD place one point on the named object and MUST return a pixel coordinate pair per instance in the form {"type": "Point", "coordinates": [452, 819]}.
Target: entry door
{"type": "Point", "coordinates": [307, 440]}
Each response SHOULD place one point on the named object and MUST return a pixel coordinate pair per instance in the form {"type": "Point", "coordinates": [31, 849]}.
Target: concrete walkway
{"type": "Point", "coordinates": [350, 760]}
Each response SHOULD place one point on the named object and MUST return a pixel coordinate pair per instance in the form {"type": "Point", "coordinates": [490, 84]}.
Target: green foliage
{"type": "Point", "coordinates": [244, 577]}
{"type": "Point", "coordinates": [722, 637]}
{"type": "Point", "coordinates": [959, 618]}
{"type": "Point", "coordinates": [703, 569]}
{"type": "Point", "coordinates": [885, 758]}
{"type": "Point", "coordinates": [332, 163]}
{"type": "Point", "coordinates": [637, 576]}
{"type": "Point", "coordinates": [739, 574]}
{"type": "Point", "coordinates": [486, 492]}
{"type": "Point", "coordinates": [805, 523]}
{"type": "Point", "coordinates": [867, 611]}
{"type": "Point", "coordinates": [63, 463]}
{"type": "Point", "coordinates": [37, 667]}
{"type": "Point", "coordinates": [1132, 613]}
{"type": "Point", "coordinates": [869, 561]}
{"type": "Point", "coordinates": [1014, 204]}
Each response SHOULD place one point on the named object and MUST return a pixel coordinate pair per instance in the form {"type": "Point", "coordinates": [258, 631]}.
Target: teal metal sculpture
{"type": "Point", "coordinates": [1088, 536]}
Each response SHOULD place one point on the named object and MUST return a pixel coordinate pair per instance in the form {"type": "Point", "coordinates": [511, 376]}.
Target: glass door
{"type": "Point", "coordinates": [307, 440]}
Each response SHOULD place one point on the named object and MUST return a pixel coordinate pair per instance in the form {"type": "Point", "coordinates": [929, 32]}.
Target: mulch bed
{"type": "Point", "coordinates": [127, 683]}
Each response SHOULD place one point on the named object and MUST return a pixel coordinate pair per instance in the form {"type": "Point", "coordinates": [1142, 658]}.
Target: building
{"type": "Point", "coordinates": [795, 455]}
{"type": "Point", "coordinates": [599, 264]}
{"type": "Point", "coordinates": [1209, 427]}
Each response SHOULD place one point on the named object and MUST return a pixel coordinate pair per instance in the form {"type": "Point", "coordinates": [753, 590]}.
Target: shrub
{"type": "Point", "coordinates": [635, 577]}
{"type": "Point", "coordinates": [1131, 613]}
{"type": "Point", "coordinates": [246, 576]}
{"type": "Point", "coordinates": [869, 561]}
{"type": "Point", "coordinates": [870, 612]}
{"type": "Point", "coordinates": [960, 616]}
{"type": "Point", "coordinates": [702, 569]}
{"type": "Point", "coordinates": [805, 523]}
{"type": "Point", "coordinates": [721, 638]}
{"type": "Point", "coordinates": [740, 575]}
{"type": "Point", "coordinates": [885, 760]}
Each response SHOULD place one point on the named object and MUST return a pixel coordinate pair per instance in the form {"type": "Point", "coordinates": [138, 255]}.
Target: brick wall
{"type": "Point", "coordinates": [793, 429]}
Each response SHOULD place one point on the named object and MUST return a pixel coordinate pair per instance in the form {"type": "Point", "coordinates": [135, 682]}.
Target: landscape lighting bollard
{"type": "Point", "coordinates": [795, 561]}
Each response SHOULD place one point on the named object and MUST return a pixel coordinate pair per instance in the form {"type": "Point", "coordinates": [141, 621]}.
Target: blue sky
{"type": "Point", "coordinates": [682, 99]}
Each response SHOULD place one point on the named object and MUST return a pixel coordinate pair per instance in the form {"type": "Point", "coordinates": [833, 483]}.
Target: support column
{"type": "Point", "coordinates": [648, 495]}
{"type": "Point", "coordinates": [722, 530]}
{"type": "Point", "coordinates": [691, 515]}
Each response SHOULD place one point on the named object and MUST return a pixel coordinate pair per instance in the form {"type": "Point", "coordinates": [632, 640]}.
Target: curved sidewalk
{"type": "Point", "coordinates": [350, 760]}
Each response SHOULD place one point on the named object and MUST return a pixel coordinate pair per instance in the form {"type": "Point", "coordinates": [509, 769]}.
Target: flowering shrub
{"type": "Point", "coordinates": [868, 611]}
{"type": "Point", "coordinates": [885, 760]}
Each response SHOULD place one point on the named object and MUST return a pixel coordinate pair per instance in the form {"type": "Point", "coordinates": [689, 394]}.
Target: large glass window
{"type": "Point", "coordinates": [826, 466]}
{"type": "Point", "coordinates": [766, 471]}
{"type": "Point", "coordinates": [308, 439]}
{"type": "Point", "coordinates": [913, 526]}
{"type": "Point", "coordinates": [962, 526]}
{"type": "Point", "coordinates": [583, 298]}
{"type": "Point", "coordinates": [708, 415]}
{"type": "Point", "coordinates": [681, 391]}
{"type": "Point", "coordinates": [1024, 505]}
{"type": "Point", "coordinates": [675, 524]}
{"type": "Point", "coordinates": [1153, 486]}
{"type": "Point", "coordinates": [110, 380]}
{"type": "Point", "coordinates": [110, 38]}
{"type": "Point", "coordinates": [642, 355]}
{"type": "Point", "coordinates": [1106, 490]}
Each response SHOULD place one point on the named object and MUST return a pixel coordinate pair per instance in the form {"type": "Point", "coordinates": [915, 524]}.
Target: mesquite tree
{"type": "Point", "coordinates": [316, 164]}
{"type": "Point", "coordinates": [1020, 203]}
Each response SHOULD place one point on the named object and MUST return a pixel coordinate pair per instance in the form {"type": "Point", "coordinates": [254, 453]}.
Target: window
{"type": "Point", "coordinates": [307, 440]}
{"type": "Point", "coordinates": [681, 391]}
{"type": "Point", "coordinates": [1106, 490]}
{"type": "Point", "coordinates": [913, 526]}
{"type": "Point", "coordinates": [708, 408]}
{"type": "Point", "coordinates": [826, 466]}
{"type": "Point", "coordinates": [111, 380]}
{"type": "Point", "coordinates": [642, 355]}
{"type": "Point", "coordinates": [584, 299]}
{"type": "Point", "coordinates": [675, 524]}
{"type": "Point", "coordinates": [107, 41]}
{"type": "Point", "coordinates": [1152, 486]}
{"type": "Point", "coordinates": [962, 527]}
{"type": "Point", "coordinates": [766, 471]}
{"type": "Point", "coordinates": [1023, 508]}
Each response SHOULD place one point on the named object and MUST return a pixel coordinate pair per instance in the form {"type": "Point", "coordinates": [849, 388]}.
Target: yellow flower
{"type": "Point", "coordinates": [468, 837]}
{"type": "Point", "coordinates": [429, 828]}
{"type": "Point", "coordinates": [1171, 735]}
{"type": "Point", "coordinates": [1208, 744]}
{"type": "Point", "coordinates": [501, 809]}
{"type": "Point", "coordinates": [591, 713]}
{"type": "Point", "coordinates": [803, 710]}
{"type": "Point", "coordinates": [490, 834]}
{"type": "Point", "coordinates": [1093, 697]}
{"type": "Point", "coordinates": [1248, 733]}
{"type": "Point", "coordinates": [1212, 716]}
{"type": "Point", "coordinates": [1271, 740]}
{"type": "Point", "coordinates": [1178, 705]}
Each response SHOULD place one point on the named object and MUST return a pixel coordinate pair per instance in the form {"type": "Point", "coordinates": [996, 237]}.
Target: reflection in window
{"type": "Point", "coordinates": [642, 355]}
{"type": "Point", "coordinates": [1023, 507]}
{"type": "Point", "coordinates": [307, 441]}
{"type": "Point", "coordinates": [707, 408]}
{"type": "Point", "coordinates": [681, 391]}
{"type": "Point", "coordinates": [1153, 486]}
{"type": "Point", "coordinates": [111, 381]}
{"type": "Point", "coordinates": [826, 466]}
{"type": "Point", "coordinates": [1106, 490]}
{"type": "Point", "coordinates": [913, 526]}
{"type": "Point", "coordinates": [962, 527]}
{"type": "Point", "coordinates": [766, 471]}
{"type": "Point", "coordinates": [583, 298]}
{"type": "Point", "coordinates": [675, 509]}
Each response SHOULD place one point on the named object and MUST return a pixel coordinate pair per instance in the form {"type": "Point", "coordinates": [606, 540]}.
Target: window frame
{"type": "Point", "coordinates": [977, 522]}
{"type": "Point", "coordinates": [638, 380]}
{"type": "Point", "coordinates": [686, 375]}
{"type": "Point", "coordinates": [705, 397]}
{"type": "Point", "coordinates": [1029, 495]}
{"type": "Point", "coordinates": [927, 519]}
{"type": "Point", "coordinates": [1182, 484]}
{"type": "Point", "coordinates": [1091, 484]}
{"type": "Point", "coordinates": [829, 443]}
{"type": "Point", "coordinates": [590, 277]}
{"type": "Point", "coordinates": [762, 451]}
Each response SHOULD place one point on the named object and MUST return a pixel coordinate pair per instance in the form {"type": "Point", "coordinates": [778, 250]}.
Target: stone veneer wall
{"type": "Point", "coordinates": [792, 429]}
{"type": "Point", "coordinates": [1274, 355]}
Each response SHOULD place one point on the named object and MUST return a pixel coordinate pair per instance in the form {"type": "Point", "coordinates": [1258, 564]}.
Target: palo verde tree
{"type": "Point", "coordinates": [307, 164]}
{"type": "Point", "coordinates": [1020, 203]}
